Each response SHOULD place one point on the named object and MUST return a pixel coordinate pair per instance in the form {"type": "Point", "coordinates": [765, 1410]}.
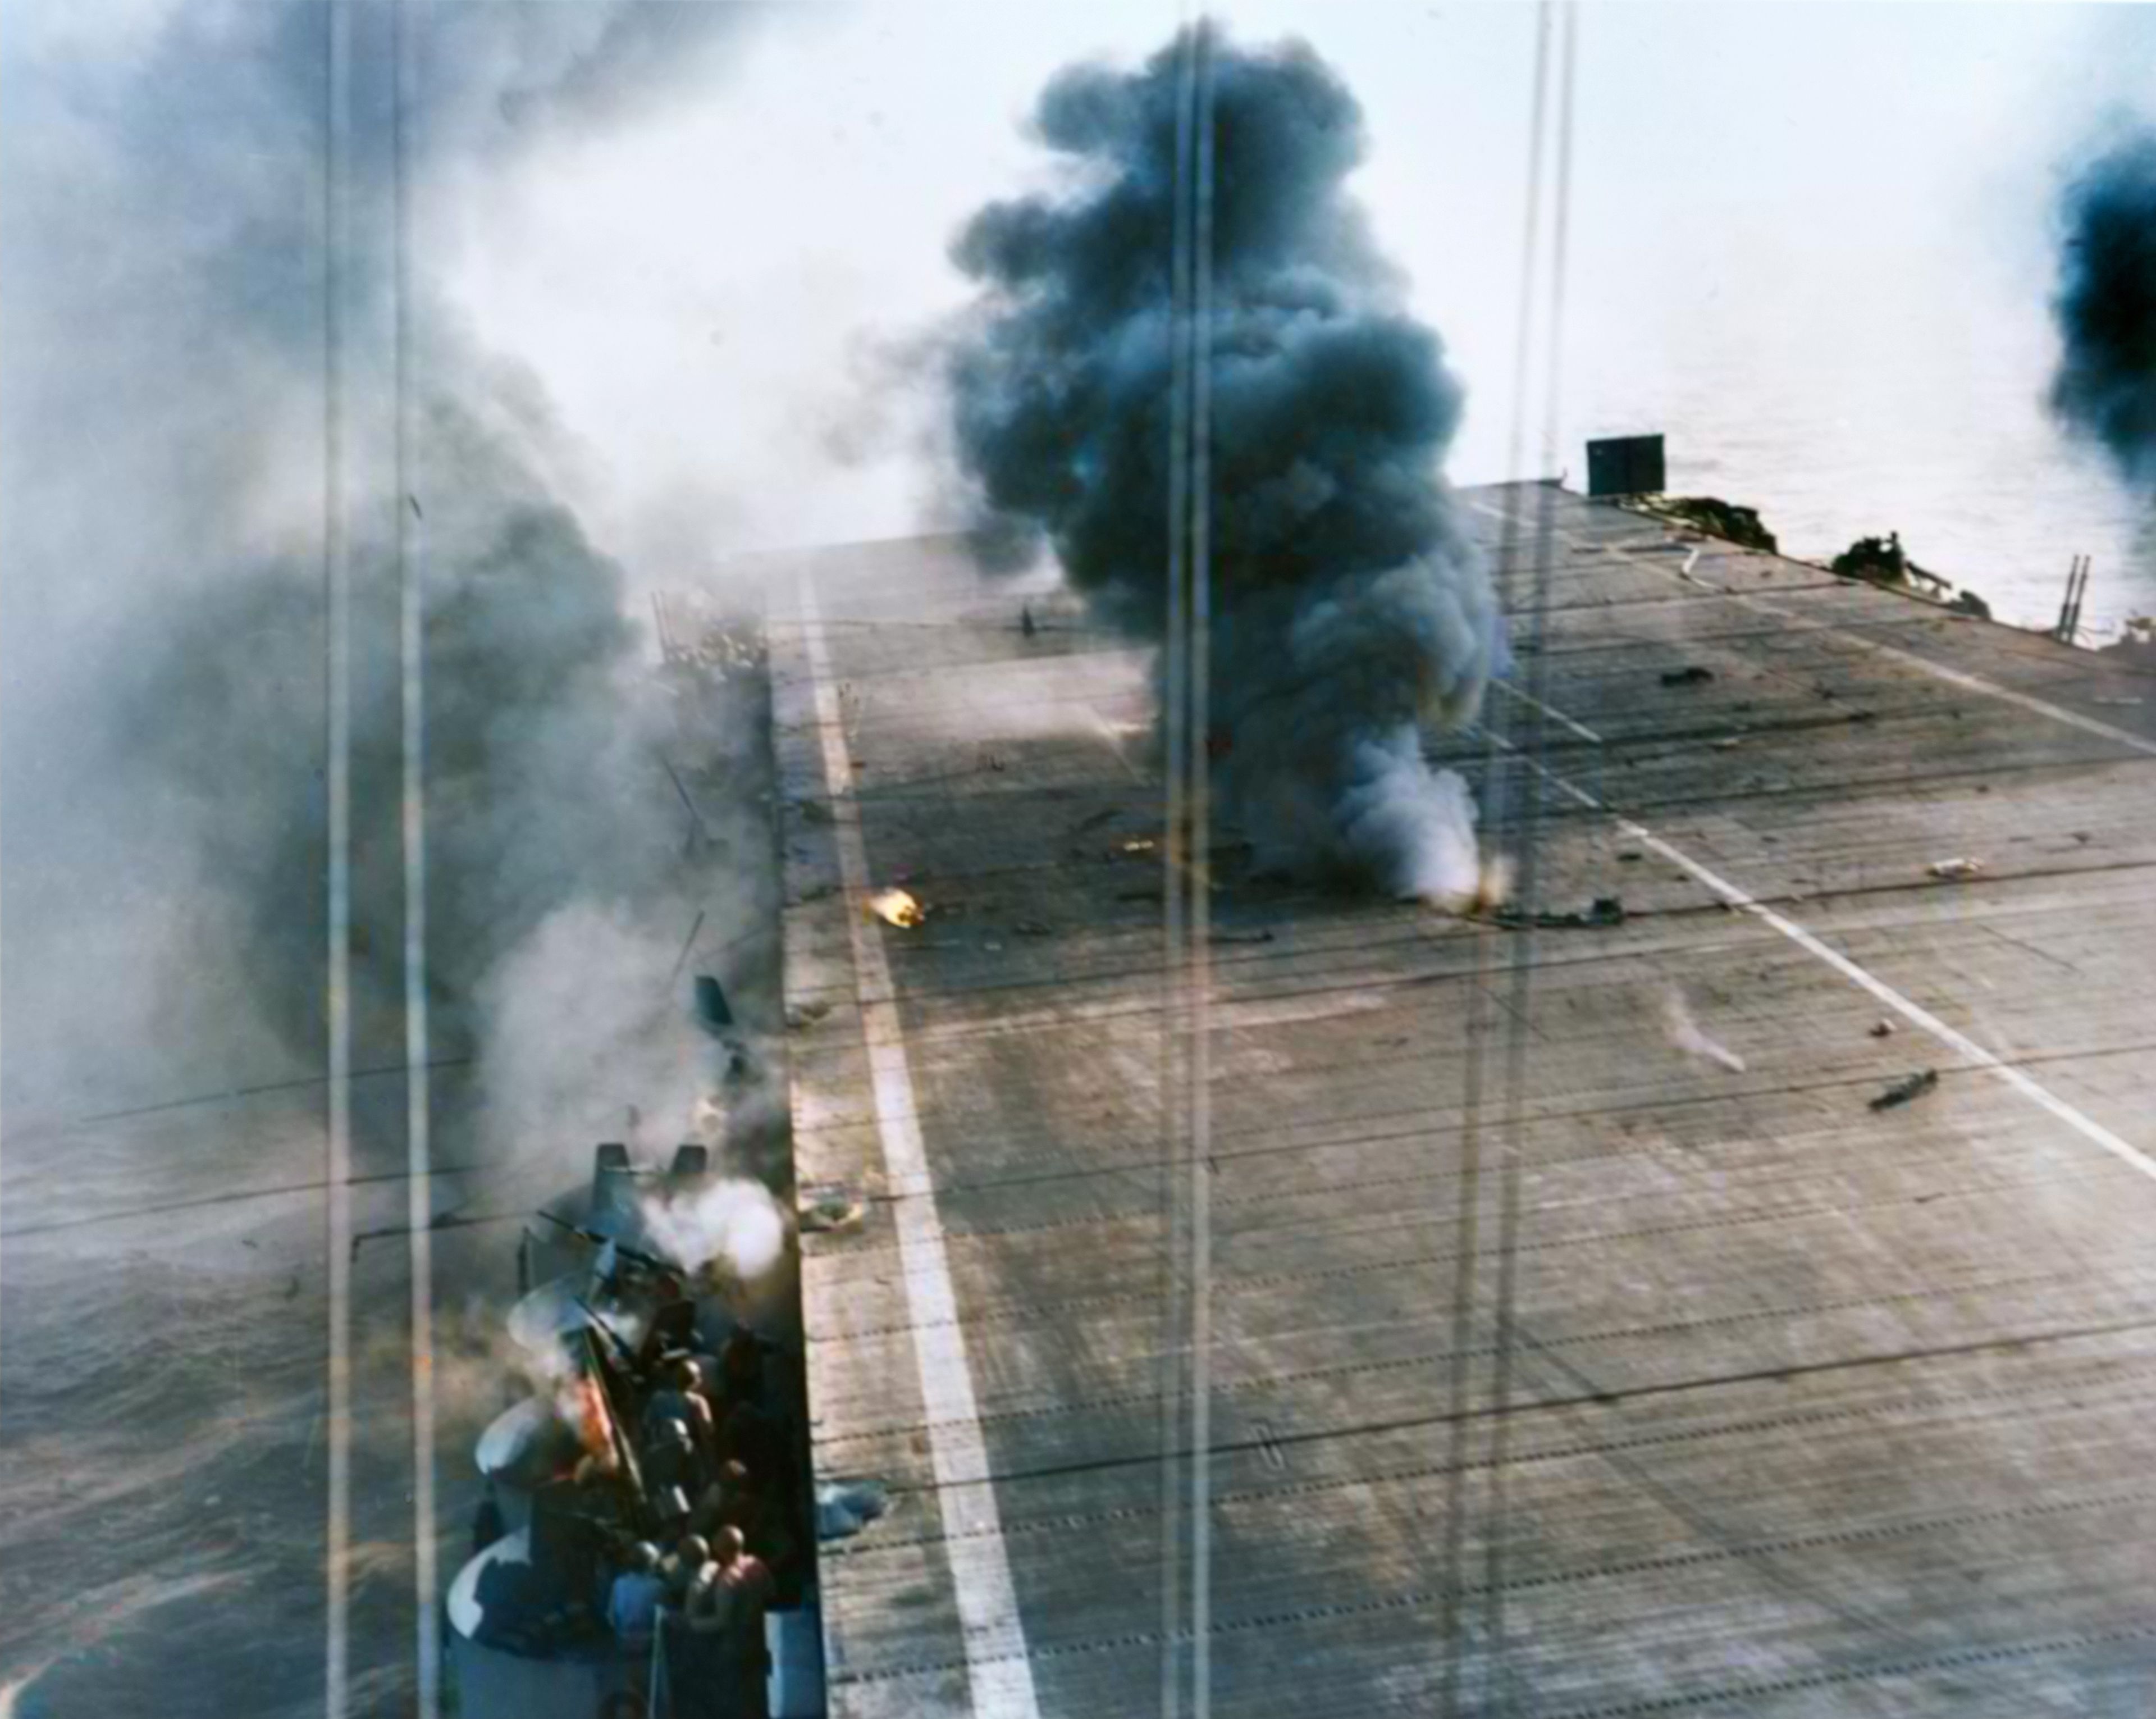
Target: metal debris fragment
{"type": "Point", "coordinates": [1907, 1092]}
{"type": "Point", "coordinates": [1882, 1028]}
{"type": "Point", "coordinates": [824, 1207]}
{"type": "Point", "coordinates": [1602, 915]}
{"type": "Point", "coordinates": [846, 1507]}
{"type": "Point", "coordinates": [1954, 870]}
{"type": "Point", "coordinates": [1692, 674]}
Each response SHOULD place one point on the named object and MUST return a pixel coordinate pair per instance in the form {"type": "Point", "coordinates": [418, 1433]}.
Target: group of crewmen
{"type": "Point", "coordinates": [717, 1467]}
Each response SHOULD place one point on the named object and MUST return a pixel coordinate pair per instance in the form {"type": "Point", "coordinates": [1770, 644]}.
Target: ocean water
{"type": "Point", "coordinates": [1953, 449]}
{"type": "Point", "coordinates": [164, 1327]}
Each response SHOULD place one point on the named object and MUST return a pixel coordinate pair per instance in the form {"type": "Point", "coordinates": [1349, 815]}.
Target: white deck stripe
{"type": "Point", "coordinates": [1923, 664]}
{"type": "Point", "coordinates": [999, 1668]}
{"type": "Point", "coordinates": [1554, 714]}
{"type": "Point", "coordinates": [1914, 1013]}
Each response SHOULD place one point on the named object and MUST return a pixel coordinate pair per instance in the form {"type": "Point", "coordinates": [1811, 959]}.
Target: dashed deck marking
{"type": "Point", "coordinates": [1923, 664]}
{"type": "Point", "coordinates": [1974, 1054]}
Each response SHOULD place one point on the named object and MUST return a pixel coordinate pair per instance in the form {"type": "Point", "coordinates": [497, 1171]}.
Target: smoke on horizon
{"type": "Point", "coordinates": [1349, 607]}
{"type": "Point", "coordinates": [2105, 388]}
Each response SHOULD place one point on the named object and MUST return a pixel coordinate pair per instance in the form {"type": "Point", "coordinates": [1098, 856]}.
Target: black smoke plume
{"type": "Point", "coordinates": [1348, 606]}
{"type": "Point", "coordinates": [2106, 385]}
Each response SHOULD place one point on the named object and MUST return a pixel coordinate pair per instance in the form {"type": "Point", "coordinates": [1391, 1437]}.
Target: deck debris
{"type": "Point", "coordinates": [1881, 560]}
{"type": "Point", "coordinates": [1605, 912]}
{"type": "Point", "coordinates": [1692, 675]}
{"type": "Point", "coordinates": [1715, 517]}
{"type": "Point", "coordinates": [1882, 1028]}
{"type": "Point", "coordinates": [823, 1208]}
{"type": "Point", "coordinates": [1954, 870]}
{"type": "Point", "coordinates": [846, 1507]}
{"type": "Point", "coordinates": [1907, 1092]}
{"type": "Point", "coordinates": [1685, 1033]}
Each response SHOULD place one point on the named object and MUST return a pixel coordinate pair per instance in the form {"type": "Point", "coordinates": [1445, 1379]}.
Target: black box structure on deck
{"type": "Point", "coordinates": [1626, 466]}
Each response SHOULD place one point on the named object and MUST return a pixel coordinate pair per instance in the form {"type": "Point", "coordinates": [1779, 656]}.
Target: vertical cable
{"type": "Point", "coordinates": [1198, 740]}
{"type": "Point", "coordinates": [1174, 881]}
{"type": "Point", "coordinates": [1496, 780]}
{"type": "Point", "coordinates": [337, 577]}
{"type": "Point", "coordinates": [1510, 1215]}
{"type": "Point", "coordinates": [411, 569]}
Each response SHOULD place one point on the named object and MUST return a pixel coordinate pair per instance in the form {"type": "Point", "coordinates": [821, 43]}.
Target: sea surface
{"type": "Point", "coordinates": [1927, 418]}
{"type": "Point", "coordinates": [165, 1318]}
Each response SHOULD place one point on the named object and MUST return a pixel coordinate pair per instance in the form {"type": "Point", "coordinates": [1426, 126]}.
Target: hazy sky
{"type": "Point", "coordinates": [1811, 242]}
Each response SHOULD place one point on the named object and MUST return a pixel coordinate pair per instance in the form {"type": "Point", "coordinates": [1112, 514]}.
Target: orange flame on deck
{"type": "Point", "coordinates": [583, 1407]}
{"type": "Point", "coordinates": [1493, 884]}
{"type": "Point", "coordinates": [1492, 889]}
{"type": "Point", "coordinates": [895, 907]}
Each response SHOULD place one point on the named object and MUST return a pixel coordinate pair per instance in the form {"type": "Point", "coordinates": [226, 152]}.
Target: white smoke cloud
{"type": "Point", "coordinates": [1409, 824]}
{"type": "Point", "coordinates": [733, 1223]}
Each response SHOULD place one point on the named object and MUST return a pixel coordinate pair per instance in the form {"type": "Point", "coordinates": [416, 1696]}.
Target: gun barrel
{"type": "Point", "coordinates": [649, 1262]}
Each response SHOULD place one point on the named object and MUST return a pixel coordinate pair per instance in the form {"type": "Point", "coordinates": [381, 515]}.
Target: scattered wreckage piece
{"type": "Point", "coordinates": [846, 1507]}
{"type": "Point", "coordinates": [1907, 1092]}
{"type": "Point", "coordinates": [1603, 913]}
{"type": "Point", "coordinates": [825, 1208]}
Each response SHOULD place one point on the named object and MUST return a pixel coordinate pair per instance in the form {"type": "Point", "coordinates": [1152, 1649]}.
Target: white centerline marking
{"type": "Point", "coordinates": [1923, 664]}
{"type": "Point", "coordinates": [1974, 1054]}
{"type": "Point", "coordinates": [1554, 714]}
{"type": "Point", "coordinates": [998, 1664]}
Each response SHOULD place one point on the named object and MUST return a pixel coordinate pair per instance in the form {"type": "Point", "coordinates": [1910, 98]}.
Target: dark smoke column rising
{"type": "Point", "coordinates": [2106, 386]}
{"type": "Point", "coordinates": [1349, 608]}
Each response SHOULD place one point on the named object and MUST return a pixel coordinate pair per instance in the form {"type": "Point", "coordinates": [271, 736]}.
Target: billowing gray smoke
{"type": "Point", "coordinates": [541, 765]}
{"type": "Point", "coordinates": [167, 270]}
{"type": "Point", "coordinates": [2106, 385]}
{"type": "Point", "coordinates": [1348, 606]}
